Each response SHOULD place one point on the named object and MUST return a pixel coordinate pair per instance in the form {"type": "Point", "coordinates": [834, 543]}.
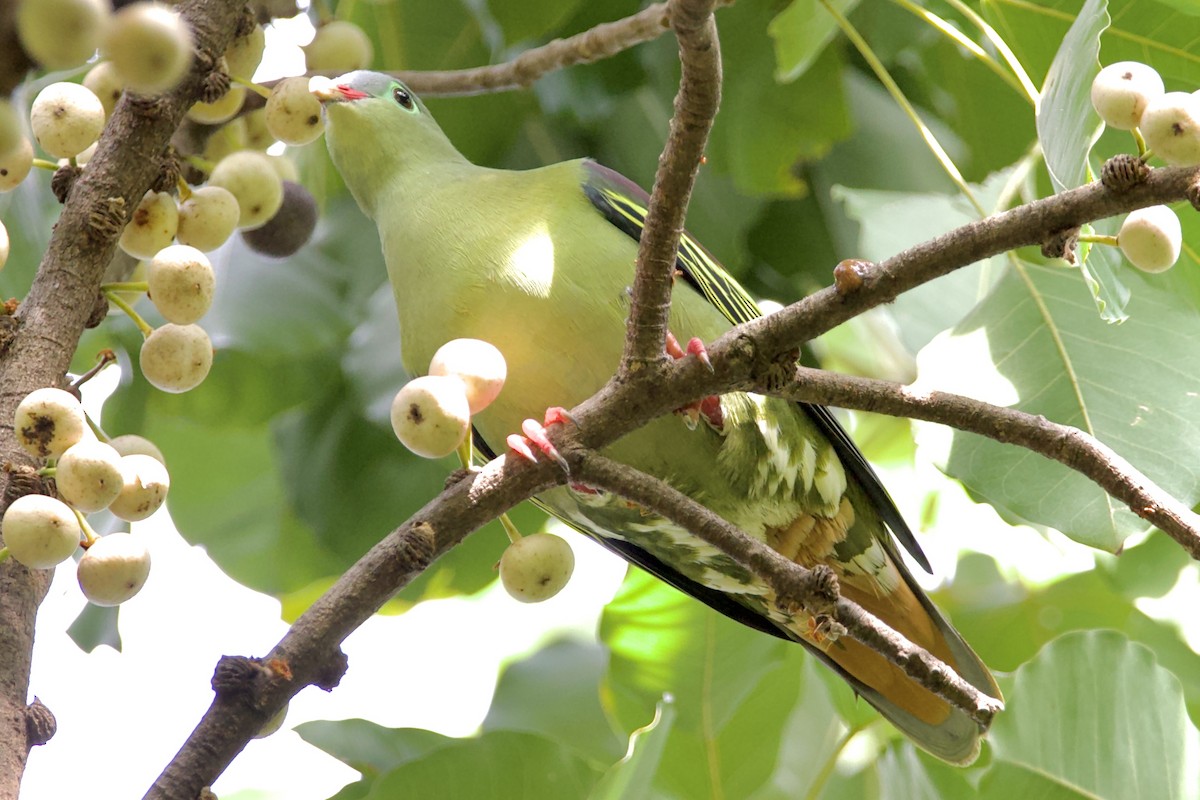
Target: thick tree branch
{"type": "Point", "coordinates": [51, 319]}
{"type": "Point", "coordinates": [1062, 443]}
{"type": "Point", "coordinates": [1026, 225]}
{"type": "Point", "coordinates": [309, 652]}
{"type": "Point", "coordinates": [695, 107]}
{"type": "Point", "coordinates": [816, 590]}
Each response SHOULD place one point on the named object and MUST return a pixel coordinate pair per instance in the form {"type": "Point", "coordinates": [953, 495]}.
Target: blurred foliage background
{"type": "Point", "coordinates": [812, 160]}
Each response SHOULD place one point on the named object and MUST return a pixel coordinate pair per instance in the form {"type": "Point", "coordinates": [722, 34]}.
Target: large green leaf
{"type": "Point", "coordinates": [753, 718]}
{"type": "Point", "coordinates": [908, 774]}
{"type": "Point", "coordinates": [1152, 31]}
{"type": "Point", "coordinates": [569, 672]}
{"type": "Point", "coordinates": [1096, 713]}
{"type": "Point", "coordinates": [663, 642]}
{"type": "Point", "coordinates": [766, 129]}
{"type": "Point", "coordinates": [633, 775]}
{"type": "Point", "coordinates": [801, 31]}
{"type": "Point", "coordinates": [1007, 624]}
{"type": "Point", "coordinates": [369, 748]}
{"type": "Point", "coordinates": [497, 765]}
{"type": "Point", "coordinates": [1066, 123]}
{"type": "Point", "coordinates": [1034, 345]}
{"type": "Point", "coordinates": [1004, 781]}
{"type": "Point", "coordinates": [521, 21]}
{"type": "Point", "coordinates": [994, 119]}
{"type": "Point", "coordinates": [814, 733]}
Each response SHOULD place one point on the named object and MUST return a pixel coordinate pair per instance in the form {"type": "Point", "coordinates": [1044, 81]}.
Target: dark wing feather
{"type": "Point", "coordinates": [623, 203]}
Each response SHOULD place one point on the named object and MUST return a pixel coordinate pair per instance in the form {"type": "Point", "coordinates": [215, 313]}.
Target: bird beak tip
{"type": "Point", "coordinates": [327, 91]}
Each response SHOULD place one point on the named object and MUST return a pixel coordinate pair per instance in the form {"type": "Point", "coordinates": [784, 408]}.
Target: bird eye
{"type": "Point", "coordinates": [402, 97]}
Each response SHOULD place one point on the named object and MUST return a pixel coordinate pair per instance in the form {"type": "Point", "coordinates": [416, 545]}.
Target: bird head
{"type": "Point", "coordinates": [377, 130]}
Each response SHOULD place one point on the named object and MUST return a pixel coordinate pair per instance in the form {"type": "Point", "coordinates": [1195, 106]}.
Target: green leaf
{"type": "Point", "coordinates": [813, 735]}
{"type": "Point", "coordinates": [766, 129]}
{"type": "Point", "coordinates": [1066, 123]}
{"type": "Point", "coordinates": [1005, 781]}
{"type": "Point", "coordinates": [531, 20]}
{"type": "Point", "coordinates": [1150, 569]}
{"type": "Point", "coordinates": [96, 626]}
{"type": "Point", "coordinates": [1156, 32]}
{"type": "Point", "coordinates": [801, 32]}
{"type": "Point", "coordinates": [498, 765]}
{"type": "Point", "coordinates": [570, 672]}
{"type": "Point", "coordinates": [908, 774]}
{"type": "Point", "coordinates": [889, 222]}
{"type": "Point", "coordinates": [369, 748]}
{"type": "Point", "coordinates": [250, 533]}
{"type": "Point", "coordinates": [663, 642]}
{"type": "Point", "coordinates": [743, 756]}
{"type": "Point", "coordinates": [747, 703]}
{"type": "Point", "coordinates": [1096, 712]}
{"type": "Point", "coordinates": [1007, 624]}
{"type": "Point", "coordinates": [633, 775]}
{"type": "Point", "coordinates": [1033, 345]}
{"type": "Point", "coordinates": [1067, 129]}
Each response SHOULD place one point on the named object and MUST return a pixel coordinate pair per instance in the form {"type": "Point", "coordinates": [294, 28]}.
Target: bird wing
{"type": "Point", "coordinates": [623, 203]}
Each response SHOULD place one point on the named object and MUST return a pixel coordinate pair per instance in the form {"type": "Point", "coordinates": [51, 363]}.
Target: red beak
{"type": "Point", "coordinates": [338, 93]}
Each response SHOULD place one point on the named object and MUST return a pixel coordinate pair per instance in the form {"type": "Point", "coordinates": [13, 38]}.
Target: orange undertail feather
{"type": "Point", "coordinates": [904, 613]}
{"type": "Point", "coordinates": [927, 719]}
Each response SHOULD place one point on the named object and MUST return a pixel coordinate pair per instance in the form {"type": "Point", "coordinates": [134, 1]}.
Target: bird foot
{"type": "Point", "coordinates": [707, 408]}
{"type": "Point", "coordinates": [695, 347]}
{"type": "Point", "coordinates": [535, 437]}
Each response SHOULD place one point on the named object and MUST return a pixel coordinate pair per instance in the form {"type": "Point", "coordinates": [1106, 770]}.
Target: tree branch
{"type": "Point", "coordinates": [1026, 225]}
{"type": "Point", "coordinates": [309, 652]}
{"type": "Point", "coordinates": [596, 44]}
{"type": "Point", "coordinates": [816, 589]}
{"type": "Point", "coordinates": [51, 319]}
{"type": "Point", "coordinates": [1062, 443]}
{"type": "Point", "coordinates": [695, 107]}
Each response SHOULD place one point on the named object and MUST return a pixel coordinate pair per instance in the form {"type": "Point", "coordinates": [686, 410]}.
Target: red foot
{"type": "Point", "coordinates": [673, 348]}
{"type": "Point", "coordinates": [696, 348]}
{"type": "Point", "coordinates": [535, 434]}
{"type": "Point", "coordinates": [708, 408]}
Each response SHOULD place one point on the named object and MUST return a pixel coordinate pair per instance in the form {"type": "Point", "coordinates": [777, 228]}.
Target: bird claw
{"type": "Point", "coordinates": [707, 408]}
{"type": "Point", "coordinates": [535, 434]}
{"type": "Point", "coordinates": [695, 347]}
{"type": "Point", "coordinates": [520, 446]}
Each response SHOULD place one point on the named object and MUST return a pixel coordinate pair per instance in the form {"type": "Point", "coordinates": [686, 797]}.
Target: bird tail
{"type": "Point", "coordinates": [931, 722]}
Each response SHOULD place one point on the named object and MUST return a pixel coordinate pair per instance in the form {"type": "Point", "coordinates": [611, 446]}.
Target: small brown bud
{"type": "Point", "coordinates": [1123, 171]}
{"type": "Point", "coordinates": [850, 275]}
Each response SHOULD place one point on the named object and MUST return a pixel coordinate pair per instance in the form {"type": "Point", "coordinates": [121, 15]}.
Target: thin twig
{"type": "Point", "coordinates": [596, 44]}
{"type": "Point", "coordinates": [1062, 443]}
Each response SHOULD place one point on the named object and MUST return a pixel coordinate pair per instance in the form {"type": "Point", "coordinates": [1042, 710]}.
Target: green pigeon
{"type": "Point", "coordinates": [540, 263]}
